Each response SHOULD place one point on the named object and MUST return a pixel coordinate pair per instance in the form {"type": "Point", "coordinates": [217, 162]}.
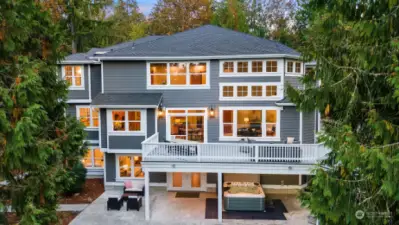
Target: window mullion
{"type": "Point", "coordinates": [126, 120]}
{"type": "Point", "coordinates": [168, 74]}
{"type": "Point", "coordinates": [92, 158]}
{"type": "Point", "coordinates": [187, 74]}
{"type": "Point", "coordinates": [235, 123]}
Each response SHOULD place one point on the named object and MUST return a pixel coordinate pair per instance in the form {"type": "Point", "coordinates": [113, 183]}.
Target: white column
{"type": "Point", "coordinates": [220, 195]}
{"type": "Point", "coordinates": [300, 179]}
{"type": "Point", "coordinates": [147, 195]}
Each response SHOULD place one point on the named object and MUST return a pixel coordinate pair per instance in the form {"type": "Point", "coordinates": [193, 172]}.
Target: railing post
{"type": "Point", "coordinates": [199, 153]}
{"type": "Point", "coordinates": [256, 153]}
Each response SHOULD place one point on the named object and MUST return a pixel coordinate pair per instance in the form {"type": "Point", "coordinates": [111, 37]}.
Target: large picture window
{"type": "Point", "coordinates": [94, 158]}
{"type": "Point", "coordinates": [178, 75]}
{"type": "Point", "coordinates": [74, 76]}
{"type": "Point", "coordinates": [129, 166]}
{"type": "Point", "coordinates": [246, 122]}
{"type": "Point", "coordinates": [88, 116]}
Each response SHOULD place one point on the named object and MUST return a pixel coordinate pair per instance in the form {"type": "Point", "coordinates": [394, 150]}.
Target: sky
{"type": "Point", "coordinates": [146, 6]}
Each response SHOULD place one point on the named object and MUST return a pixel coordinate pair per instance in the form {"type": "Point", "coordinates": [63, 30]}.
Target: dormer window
{"type": "Point", "coordinates": [74, 76]}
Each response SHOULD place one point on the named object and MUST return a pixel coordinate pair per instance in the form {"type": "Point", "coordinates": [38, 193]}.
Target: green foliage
{"type": "Point", "coordinates": [37, 141]}
{"type": "Point", "coordinates": [78, 175]}
{"type": "Point", "coordinates": [231, 14]}
{"type": "Point", "coordinates": [354, 44]}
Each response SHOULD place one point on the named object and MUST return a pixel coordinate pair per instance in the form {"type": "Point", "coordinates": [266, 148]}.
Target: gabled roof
{"type": "Point", "coordinates": [92, 52]}
{"type": "Point", "coordinates": [126, 100]}
{"type": "Point", "coordinates": [203, 41]}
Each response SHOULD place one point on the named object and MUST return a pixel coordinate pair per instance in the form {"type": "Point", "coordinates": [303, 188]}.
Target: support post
{"type": "Point", "coordinates": [300, 179]}
{"type": "Point", "coordinates": [220, 195]}
{"type": "Point", "coordinates": [147, 195]}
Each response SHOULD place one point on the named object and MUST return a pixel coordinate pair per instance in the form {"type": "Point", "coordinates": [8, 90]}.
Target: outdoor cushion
{"type": "Point", "coordinates": [134, 186]}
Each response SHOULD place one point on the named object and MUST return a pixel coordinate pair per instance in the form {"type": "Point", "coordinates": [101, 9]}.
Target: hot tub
{"type": "Point", "coordinates": [243, 196]}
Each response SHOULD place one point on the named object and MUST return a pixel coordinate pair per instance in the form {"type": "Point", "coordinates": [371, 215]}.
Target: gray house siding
{"type": "Point", "coordinates": [110, 171]}
{"type": "Point", "coordinates": [71, 110]}
{"type": "Point", "coordinates": [308, 128]}
{"type": "Point", "coordinates": [151, 117]}
{"type": "Point", "coordinates": [92, 135]}
{"type": "Point", "coordinates": [211, 178]}
{"type": "Point", "coordinates": [280, 179]}
{"type": "Point", "coordinates": [95, 80]}
{"type": "Point", "coordinates": [125, 142]}
{"type": "Point", "coordinates": [293, 80]}
{"type": "Point", "coordinates": [158, 177]}
{"type": "Point", "coordinates": [79, 94]}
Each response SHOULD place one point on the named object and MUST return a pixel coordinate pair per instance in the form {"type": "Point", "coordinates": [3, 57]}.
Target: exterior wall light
{"type": "Point", "coordinates": [211, 112]}
{"type": "Point", "coordinates": [161, 111]}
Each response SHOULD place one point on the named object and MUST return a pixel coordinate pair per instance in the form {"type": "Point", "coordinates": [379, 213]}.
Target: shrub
{"type": "Point", "coordinates": [78, 175]}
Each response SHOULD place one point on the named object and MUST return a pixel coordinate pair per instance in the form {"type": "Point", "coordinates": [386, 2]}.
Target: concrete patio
{"type": "Point", "coordinates": [166, 209]}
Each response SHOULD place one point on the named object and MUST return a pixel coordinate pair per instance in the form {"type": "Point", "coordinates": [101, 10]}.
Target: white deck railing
{"type": "Point", "coordinates": [153, 150]}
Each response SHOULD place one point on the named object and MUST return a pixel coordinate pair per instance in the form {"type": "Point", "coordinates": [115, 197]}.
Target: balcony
{"type": "Point", "coordinates": [155, 151]}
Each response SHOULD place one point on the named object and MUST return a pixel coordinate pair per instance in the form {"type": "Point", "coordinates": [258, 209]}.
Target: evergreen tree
{"type": "Point", "coordinates": [231, 14]}
{"type": "Point", "coordinates": [355, 44]}
{"type": "Point", "coordinates": [172, 16]}
{"type": "Point", "coordinates": [38, 143]}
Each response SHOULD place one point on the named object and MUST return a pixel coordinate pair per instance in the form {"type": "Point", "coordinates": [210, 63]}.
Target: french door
{"type": "Point", "coordinates": [179, 181]}
{"type": "Point", "coordinates": [186, 124]}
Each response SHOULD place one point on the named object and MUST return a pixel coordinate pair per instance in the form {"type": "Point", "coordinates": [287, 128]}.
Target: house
{"type": "Point", "coordinates": [192, 110]}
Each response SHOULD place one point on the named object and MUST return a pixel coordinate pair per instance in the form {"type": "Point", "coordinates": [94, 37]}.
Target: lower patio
{"type": "Point", "coordinates": [165, 208]}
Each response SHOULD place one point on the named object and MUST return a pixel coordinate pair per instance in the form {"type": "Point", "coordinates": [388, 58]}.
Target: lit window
{"type": "Point", "coordinates": [249, 123]}
{"type": "Point", "coordinates": [290, 67]}
{"type": "Point", "coordinates": [228, 122]}
{"type": "Point", "coordinates": [257, 66]}
{"type": "Point", "coordinates": [228, 67]}
{"type": "Point", "coordinates": [256, 91]}
{"type": "Point", "coordinates": [130, 166]}
{"type": "Point", "coordinates": [122, 123]}
{"type": "Point", "coordinates": [138, 172]}
{"type": "Point", "coordinates": [178, 73]}
{"type": "Point", "coordinates": [297, 67]}
{"type": "Point", "coordinates": [271, 123]}
{"type": "Point", "coordinates": [88, 116]}
{"type": "Point", "coordinates": [187, 125]}
{"type": "Point", "coordinates": [271, 90]}
{"type": "Point", "coordinates": [94, 158]}
{"type": "Point", "coordinates": [197, 73]}
{"type": "Point", "coordinates": [242, 91]}
{"type": "Point", "coordinates": [74, 76]}
{"type": "Point", "coordinates": [158, 73]}
{"type": "Point", "coordinates": [228, 91]}
{"type": "Point", "coordinates": [242, 67]}
{"type": "Point", "coordinates": [271, 66]}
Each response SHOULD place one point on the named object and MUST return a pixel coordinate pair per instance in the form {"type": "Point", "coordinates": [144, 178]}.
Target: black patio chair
{"type": "Point", "coordinates": [114, 203]}
{"type": "Point", "coordinates": [134, 202]}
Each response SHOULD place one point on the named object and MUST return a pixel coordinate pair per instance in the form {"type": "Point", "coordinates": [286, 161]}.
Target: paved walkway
{"type": "Point", "coordinates": [168, 210]}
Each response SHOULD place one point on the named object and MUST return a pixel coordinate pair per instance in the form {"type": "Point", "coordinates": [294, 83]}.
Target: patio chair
{"type": "Point", "coordinates": [134, 202]}
{"type": "Point", "coordinates": [114, 202]}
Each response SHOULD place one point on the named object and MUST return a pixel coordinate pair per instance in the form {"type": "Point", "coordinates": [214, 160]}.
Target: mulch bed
{"type": "Point", "coordinates": [64, 218]}
{"type": "Point", "coordinates": [93, 188]}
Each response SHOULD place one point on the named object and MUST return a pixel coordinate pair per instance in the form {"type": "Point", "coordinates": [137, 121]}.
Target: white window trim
{"type": "Point", "coordinates": [92, 148]}
{"type": "Point", "coordinates": [118, 177]}
{"type": "Point", "coordinates": [263, 138]}
{"type": "Point", "coordinates": [279, 96]}
{"type": "Point", "coordinates": [173, 87]}
{"type": "Point", "coordinates": [143, 123]}
{"type": "Point", "coordinates": [293, 73]}
{"type": "Point", "coordinates": [250, 73]}
{"type": "Point", "coordinates": [78, 107]}
{"type": "Point", "coordinates": [168, 115]}
{"type": "Point", "coordinates": [72, 86]}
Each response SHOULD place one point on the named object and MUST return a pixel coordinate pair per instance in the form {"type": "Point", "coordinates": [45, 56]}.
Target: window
{"type": "Point", "coordinates": [271, 66]}
{"type": "Point", "coordinates": [186, 124]}
{"type": "Point", "coordinates": [74, 76]}
{"type": "Point", "coordinates": [242, 67]}
{"type": "Point", "coordinates": [88, 116]}
{"type": "Point", "coordinates": [178, 74]}
{"type": "Point", "coordinates": [242, 91]}
{"type": "Point", "coordinates": [250, 91]}
{"type": "Point", "coordinates": [130, 166]}
{"type": "Point", "coordinates": [228, 91]}
{"type": "Point", "coordinates": [252, 122]}
{"type": "Point", "coordinates": [257, 66]}
{"type": "Point", "coordinates": [257, 91]}
{"type": "Point", "coordinates": [126, 120]}
{"type": "Point", "coordinates": [271, 90]}
{"type": "Point", "coordinates": [228, 67]}
{"type": "Point", "coordinates": [294, 67]}
{"type": "Point", "coordinates": [94, 158]}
